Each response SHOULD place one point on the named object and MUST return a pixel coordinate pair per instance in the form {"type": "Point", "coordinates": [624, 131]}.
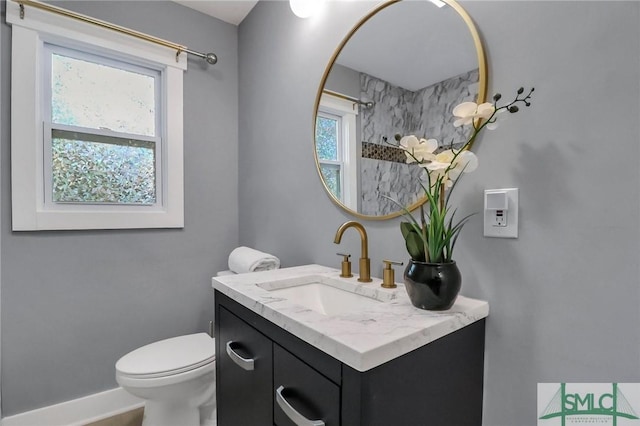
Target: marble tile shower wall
{"type": "Point", "coordinates": [395, 180]}
{"type": "Point", "coordinates": [424, 113]}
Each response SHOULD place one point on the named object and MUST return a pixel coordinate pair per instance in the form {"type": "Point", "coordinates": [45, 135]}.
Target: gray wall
{"type": "Point", "coordinates": [344, 80]}
{"type": "Point", "coordinates": [74, 302]}
{"type": "Point", "coordinates": [2, 115]}
{"type": "Point", "coordinates": [564, 296]}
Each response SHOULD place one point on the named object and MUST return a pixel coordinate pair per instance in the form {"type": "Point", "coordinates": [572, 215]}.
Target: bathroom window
{"type": "Point", "coordinates": [100, 149]}
{"type": "Point", "coordinates": [329, 147]}
{"type": "Point", "coordinates": [336, 148]}
{"type": "Point", "coordinates": [96, 127]}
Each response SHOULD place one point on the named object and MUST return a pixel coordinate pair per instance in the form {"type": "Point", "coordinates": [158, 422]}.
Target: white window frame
{"type": "Point", "coordinates": [348, 155]}
{"type": "Point", "coordinates": [30, 211]}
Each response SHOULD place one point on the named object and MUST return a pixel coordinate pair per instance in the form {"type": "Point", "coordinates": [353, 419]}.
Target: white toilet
{"type": "Point", "coordinates": [175, 377]}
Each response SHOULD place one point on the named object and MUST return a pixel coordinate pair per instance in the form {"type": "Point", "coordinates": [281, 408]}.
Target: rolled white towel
{"type": "Point", "coordinates": [245, 259]}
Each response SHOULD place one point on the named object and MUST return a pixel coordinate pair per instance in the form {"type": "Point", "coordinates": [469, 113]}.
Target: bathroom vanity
{"type": "Point", "coordinates": [302, 346]}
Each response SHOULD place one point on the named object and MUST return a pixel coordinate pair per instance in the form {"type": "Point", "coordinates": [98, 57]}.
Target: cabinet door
{"type": "Point", "coordinates": [302, 396]}
{"type": "Point", "coordinates": [244, 361]}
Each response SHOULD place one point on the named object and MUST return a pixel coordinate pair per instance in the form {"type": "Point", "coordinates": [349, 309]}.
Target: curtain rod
{"type": "Point", "coordinates": [211, 58]}
{"type": "Point", "coordinates": [366, 104]}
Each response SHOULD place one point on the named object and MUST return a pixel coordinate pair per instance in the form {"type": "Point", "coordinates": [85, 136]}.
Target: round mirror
{"type": "Point", "coordinates": [400, 71]}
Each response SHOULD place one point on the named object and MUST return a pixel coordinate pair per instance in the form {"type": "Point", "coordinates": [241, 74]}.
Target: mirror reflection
{"type": "Point", "coordinates": [401, 71]}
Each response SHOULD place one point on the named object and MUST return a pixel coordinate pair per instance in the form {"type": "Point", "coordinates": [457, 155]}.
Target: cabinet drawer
{"type": "Point", "coordinates": [244, 359]}
{"type": "Point", "coordinates": [305, 393]}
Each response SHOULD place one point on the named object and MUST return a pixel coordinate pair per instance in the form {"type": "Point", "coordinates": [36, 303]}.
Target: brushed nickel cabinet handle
{"type": "Point", "coordinates": [292, 413]}
{"type": "Point", "coordinates": [244, 363]}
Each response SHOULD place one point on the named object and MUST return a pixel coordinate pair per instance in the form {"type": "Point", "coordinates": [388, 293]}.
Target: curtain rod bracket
{"type": "Point", "coordinates": [21, 11]}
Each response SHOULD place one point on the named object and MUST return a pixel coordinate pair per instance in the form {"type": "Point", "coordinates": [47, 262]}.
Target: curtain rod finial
{"type": "Point", "coordinates": [211, 58]}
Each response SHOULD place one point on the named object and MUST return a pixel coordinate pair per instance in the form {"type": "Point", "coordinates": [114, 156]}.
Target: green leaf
{"type": "Point", "coordinates": [415, 246]}
{"type": "Point", "coordinates": [413, 241]}
{"type": "Point", "coordinates": [406, 228]}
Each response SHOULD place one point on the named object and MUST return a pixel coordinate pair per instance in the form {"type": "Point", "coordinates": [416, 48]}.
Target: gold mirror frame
{"type": "Point", "coordinates": [482, 92]}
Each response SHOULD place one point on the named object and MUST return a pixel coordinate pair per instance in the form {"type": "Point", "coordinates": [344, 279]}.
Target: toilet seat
{"type": "Point", "coordinates": [168, 357]}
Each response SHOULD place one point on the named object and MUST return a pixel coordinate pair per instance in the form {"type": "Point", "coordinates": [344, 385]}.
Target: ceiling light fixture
{"type": "Point", "coordinates": [305, 8]}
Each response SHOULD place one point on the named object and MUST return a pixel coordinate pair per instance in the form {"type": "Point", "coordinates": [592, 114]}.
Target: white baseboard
{"type": "Point", "coordinates": [79, 411]}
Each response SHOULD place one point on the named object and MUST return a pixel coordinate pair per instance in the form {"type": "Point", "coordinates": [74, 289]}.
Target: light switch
{"type": "Point", "coordinates": [501, 213]}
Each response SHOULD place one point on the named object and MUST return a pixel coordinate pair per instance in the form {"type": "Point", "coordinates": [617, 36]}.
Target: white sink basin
{"type": "Point", "coordinates": [327, 296]}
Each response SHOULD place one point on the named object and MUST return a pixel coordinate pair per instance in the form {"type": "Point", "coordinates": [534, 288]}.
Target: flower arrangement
{"type": "Point", "coordinates": [432, 237]}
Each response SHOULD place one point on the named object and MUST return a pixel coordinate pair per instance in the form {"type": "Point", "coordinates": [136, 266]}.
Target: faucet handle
{"type": "Point", "coordinates": [346, 265]}
{"type": "Point", "coordinates": [388, 279]}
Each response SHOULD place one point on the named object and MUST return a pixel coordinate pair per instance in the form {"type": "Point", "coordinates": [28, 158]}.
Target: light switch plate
{"type": "Point", "coordinates": [496, 230]}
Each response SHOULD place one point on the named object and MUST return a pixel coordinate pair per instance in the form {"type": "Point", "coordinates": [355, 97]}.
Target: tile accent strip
{"type": "Point", "coordinates": [383, 152]}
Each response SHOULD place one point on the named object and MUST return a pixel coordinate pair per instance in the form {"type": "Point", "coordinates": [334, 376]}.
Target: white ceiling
{"type": "Point", "coordinates": [411, 44]}
{"type": "Point", "coordinates": [231, 11]}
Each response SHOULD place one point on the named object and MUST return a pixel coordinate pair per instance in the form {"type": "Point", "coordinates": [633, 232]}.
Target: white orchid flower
{"type": "Point", "coordinates": [466, 162]}
{"type": "Point", "coordinates": [450, 164]}
{"type": "Point", "coordinates": [442, 161]}
{"type": "Point", "coordinates": [493, 124]}
{"type": "Point", "coordinates": [467, 112]}
{"type": "Point", "coordinates": [418, 149]}
{"type": "Point", "coordinates": [439, 168]}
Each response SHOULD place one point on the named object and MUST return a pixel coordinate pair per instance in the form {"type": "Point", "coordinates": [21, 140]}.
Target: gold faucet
{"type": "Point", "coordinates": [365, 263]}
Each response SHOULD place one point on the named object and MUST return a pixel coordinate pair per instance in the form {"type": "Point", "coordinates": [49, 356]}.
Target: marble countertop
{"type": "Point", "coordinates": [361, 339]}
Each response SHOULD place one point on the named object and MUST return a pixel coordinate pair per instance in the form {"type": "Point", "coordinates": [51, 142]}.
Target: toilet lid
{"type": "Point", "coordinates": [170, 356]}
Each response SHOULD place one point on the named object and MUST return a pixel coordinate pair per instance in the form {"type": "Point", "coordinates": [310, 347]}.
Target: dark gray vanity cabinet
{"type": "Point", "coordinates": [306, 391]}
{"type": "Point", "coordinates": [267, 376]}
{"type": "Point", "coordinates": [244, 370]}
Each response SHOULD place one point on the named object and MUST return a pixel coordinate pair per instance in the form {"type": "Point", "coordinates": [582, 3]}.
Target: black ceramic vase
{"type": "Point", "coordinates": [432, 286]}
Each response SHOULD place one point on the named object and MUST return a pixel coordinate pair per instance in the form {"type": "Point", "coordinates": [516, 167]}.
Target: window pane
{"type": "Point", "coordinates": [331, 175]}
{"type": "Point", "coordinates": [327, 138]}
{"type": "Point", "coordinates": [100, 169]}
{"type": "Point", "coordinates": [89, 94]}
